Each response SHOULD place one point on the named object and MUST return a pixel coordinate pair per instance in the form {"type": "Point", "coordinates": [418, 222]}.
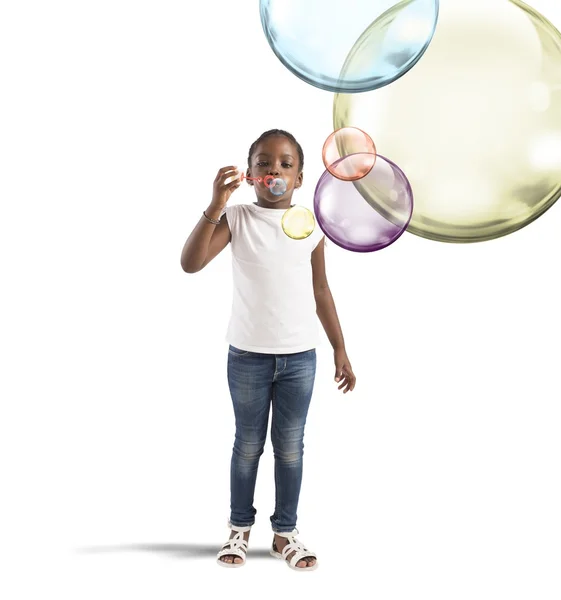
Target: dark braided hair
{"type": "Point", "coordinates": [282, 132]}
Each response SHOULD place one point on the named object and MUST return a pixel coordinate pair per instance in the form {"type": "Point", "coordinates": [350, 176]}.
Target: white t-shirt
{"type": "Point", "coordinates": [273, 308]}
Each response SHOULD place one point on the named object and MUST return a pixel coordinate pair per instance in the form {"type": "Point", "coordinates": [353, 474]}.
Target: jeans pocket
{"type": "Point", "coordinates": [236, 351]}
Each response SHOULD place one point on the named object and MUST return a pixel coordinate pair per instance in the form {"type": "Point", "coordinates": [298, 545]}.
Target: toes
{"type": "Point", "coordinates": [228, 558]}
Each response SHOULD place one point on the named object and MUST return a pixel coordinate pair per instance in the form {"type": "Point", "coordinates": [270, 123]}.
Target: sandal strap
{"type": "Point", "coordinates": [296, 546]}
{"type": "Point", "coordinates": [293, 546]}
{"type": "Point", "coordinates": [287, 534]}
{"type": "Point", "coordinates": [239, 549]}
{"type": "Point", "coordinates": [239, 529]}
{"type": "Point", "coordinates": [236, 542]}
{"type": "Point", "coordinates": [236, 545]}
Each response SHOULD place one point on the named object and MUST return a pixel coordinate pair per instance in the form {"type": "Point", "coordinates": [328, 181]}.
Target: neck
{"type": "Point", "coordinates": [285, 203]}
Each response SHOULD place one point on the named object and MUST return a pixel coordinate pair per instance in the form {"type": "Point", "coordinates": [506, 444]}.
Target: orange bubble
{"type": "Point", "coordinates": [345, 142]}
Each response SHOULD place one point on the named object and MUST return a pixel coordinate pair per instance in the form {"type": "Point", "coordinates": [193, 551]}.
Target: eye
{"type": "Point", "coordinates": [261, 163]}
{"type": "Point", "coordinates": [286, 165]}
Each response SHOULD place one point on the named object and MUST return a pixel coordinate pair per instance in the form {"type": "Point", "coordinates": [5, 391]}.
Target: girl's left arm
{"type": "Point", "coordinates": [327, 314]}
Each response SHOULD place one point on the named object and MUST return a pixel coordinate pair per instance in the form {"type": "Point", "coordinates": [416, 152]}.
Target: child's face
{"type": "Point", "coordinates": [276, 156]}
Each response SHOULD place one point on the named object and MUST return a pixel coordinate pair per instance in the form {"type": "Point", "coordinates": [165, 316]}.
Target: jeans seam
{"type": "Point", "coordinates": [277, 485]}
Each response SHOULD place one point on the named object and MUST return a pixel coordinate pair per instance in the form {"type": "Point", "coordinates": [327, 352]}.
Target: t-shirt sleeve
{"type": "Point", "coordinates": [230, 212]}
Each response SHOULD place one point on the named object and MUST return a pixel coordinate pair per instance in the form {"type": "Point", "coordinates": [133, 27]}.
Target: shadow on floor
{"type": "Point", "coordinates": [172, 550]}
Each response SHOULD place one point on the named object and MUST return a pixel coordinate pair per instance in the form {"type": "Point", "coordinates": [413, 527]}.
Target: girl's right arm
{"type": "Point", "coordinates": [207, 240]}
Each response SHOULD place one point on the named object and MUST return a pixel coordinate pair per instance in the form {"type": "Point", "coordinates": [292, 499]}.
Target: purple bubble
{"type": "Point", "coordinates": [367, 214]}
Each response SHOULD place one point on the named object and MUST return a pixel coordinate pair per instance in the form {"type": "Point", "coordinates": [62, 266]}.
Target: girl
{"type": "Point", "coordinates": [280, 286]}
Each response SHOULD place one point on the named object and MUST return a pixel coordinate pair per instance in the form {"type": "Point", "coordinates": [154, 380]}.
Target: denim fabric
{"type": "Point", "coordinates": [256, 382]}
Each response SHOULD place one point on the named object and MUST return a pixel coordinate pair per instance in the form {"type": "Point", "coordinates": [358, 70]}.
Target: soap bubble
{"type": "Point", "coordinates": [476, 125]}
{"type": "Point", "coordinates": [364, 224]}
{"type": "Point", "coordinates": [345, 141]}
{"type": "Point", "coordinates": [298, 222]}
{"type": "Point", "coordinates": [313, 38]}
{"type": "Point", "coordinates": [277, 186]}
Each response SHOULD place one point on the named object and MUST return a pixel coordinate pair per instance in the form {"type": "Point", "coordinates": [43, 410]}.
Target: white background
{"type": "Point", "coordinates": [437, 477]}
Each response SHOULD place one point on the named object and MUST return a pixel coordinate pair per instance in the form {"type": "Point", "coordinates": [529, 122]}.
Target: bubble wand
{"type": "Point", "coordinates": [275, 184]}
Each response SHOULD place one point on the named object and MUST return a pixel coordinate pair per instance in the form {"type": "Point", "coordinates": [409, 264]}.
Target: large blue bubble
{"type": "Point", "coordinates": [313, 39]}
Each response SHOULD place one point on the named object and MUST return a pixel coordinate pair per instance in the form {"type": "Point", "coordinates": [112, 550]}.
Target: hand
{"type": "Point", "coordinates": [344, 371]}
{"type": "Point", "coordinates": [221, 190]}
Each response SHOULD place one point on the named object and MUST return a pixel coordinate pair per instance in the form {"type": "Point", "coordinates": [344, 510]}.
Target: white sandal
{"type": "Point", "coordinates": [294, 545]}
{"type": "Point", "coordinates": [235, 546]}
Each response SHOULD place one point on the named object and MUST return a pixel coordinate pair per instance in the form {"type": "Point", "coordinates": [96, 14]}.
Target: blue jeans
{"type": "Point", "coordinates": [256, 380]}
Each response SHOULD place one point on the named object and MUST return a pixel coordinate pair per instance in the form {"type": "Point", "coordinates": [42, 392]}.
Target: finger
{"type": "Point", "coordinates": [227, 173]}
{"type": "Point", "coordinates": [343, 372]}
{"type": "Point", "coordinates": [222, 173]}
{"type": "Point", "coordinates": [226, 170]}
{"type": "Point", "coordinates": [340, 371]}
{"type": "Point", "coordinates": [234, 175]}
{"type": "Point", "coordinates": [233, 184]}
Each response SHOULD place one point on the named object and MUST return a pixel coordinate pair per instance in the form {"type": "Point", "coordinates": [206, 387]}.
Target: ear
{"type": "Point", "coordinates": [299, 180]}
{"type": "Point", "coordinates": [248, 174]}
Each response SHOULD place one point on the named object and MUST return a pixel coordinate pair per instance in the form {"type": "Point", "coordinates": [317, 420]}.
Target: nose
{"type": "Point", "coordinates": [274, 170]}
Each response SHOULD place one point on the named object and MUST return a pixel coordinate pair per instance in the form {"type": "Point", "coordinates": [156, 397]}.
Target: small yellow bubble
{"type": "Point", "coordinates": [298, 222]}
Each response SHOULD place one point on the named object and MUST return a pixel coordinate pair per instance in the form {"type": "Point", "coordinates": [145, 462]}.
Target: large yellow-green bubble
{"type": "Point", "coordinates": [475, 125]}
